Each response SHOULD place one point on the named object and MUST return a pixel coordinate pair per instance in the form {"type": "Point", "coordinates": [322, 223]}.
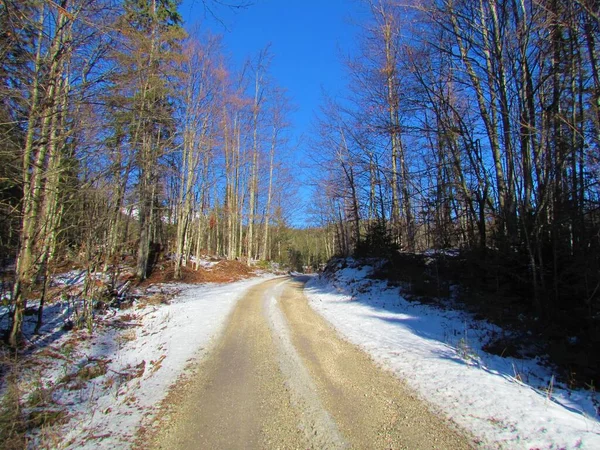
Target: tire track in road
{"type": "Point", "coordinates": [372, 408]}
{"type": "Point", "coordinates": [280, 377]}
{"type": "Point", "coordinates": [318, 426]}
{"type": "Point", "coordinates": [239, 398]}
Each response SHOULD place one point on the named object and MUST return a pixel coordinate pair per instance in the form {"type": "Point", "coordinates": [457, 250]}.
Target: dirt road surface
{"type": "Point", "coordinates": [281, 378]}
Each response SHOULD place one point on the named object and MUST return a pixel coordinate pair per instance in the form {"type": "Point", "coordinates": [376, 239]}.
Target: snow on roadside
{"type": "Point", "coordinates": [506, 403]}
{"type": "Point", "coordinates": [113, 382]}
{"type": "Point", "coordinates": [204, 262]}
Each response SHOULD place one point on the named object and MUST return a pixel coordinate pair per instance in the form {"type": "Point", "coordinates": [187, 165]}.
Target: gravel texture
{"type": "Point", "coordinates": [280, 377]}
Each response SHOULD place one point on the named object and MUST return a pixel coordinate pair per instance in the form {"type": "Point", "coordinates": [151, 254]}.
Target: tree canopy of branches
{"type": "Point", "coordinates": [475, 124]}
{"type": "Point", "coordinates": [124, 138]}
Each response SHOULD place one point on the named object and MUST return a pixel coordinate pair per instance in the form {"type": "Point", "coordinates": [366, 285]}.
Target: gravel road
{"type": "Point", "coordinates": [280, 377]}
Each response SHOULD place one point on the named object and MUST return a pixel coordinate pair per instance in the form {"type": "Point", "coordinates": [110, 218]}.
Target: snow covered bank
{"type": "Point", "coordinates": [506, 403]}
{"type": "Point", "coordinates": [112, 382]}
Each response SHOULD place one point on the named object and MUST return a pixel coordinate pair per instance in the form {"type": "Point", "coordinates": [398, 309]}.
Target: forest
{"type": "Point", "coordinates": [126, 138]}
{"type": "Point", "coordinates": [467, 125]}
{"type": "Point", "coordinates": [475, 125]}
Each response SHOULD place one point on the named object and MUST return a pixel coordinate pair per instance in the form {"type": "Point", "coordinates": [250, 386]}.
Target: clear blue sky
{"type": "Point", "coordinates": [308, 41]}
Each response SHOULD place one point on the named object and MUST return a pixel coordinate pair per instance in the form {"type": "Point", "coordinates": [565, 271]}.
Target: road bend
{"type": "Point", "coordinates": [281, 378]}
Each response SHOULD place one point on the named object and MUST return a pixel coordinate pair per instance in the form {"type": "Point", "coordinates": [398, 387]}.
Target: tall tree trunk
{"type": "Point", "coordinates": [254, 167]}
{"type": "Point", "coordinates": [266, 253]}
{"type": "Point", "coordinates": [35, 164]}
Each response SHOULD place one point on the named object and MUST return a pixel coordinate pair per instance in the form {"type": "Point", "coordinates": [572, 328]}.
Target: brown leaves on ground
{"type": "Point", "coordinates": [224, 271]}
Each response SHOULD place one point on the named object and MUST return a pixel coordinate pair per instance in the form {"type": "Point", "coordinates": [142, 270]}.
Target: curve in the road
{"type": "Point", "coordinates": [282, 378]}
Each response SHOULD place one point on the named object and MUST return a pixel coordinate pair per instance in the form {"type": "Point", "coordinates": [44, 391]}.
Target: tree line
{"type": "Point", "coordinates": [475, 124]}
{"type": "Point", "coordinates": [121, 134]}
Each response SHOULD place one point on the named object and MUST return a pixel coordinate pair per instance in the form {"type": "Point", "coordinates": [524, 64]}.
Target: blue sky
{"type": "Point", "coordinates": [308, 38]}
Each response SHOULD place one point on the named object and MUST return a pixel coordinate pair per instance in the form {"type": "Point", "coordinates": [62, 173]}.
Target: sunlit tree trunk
{"type": "Point", "coordinates": [35, 169]}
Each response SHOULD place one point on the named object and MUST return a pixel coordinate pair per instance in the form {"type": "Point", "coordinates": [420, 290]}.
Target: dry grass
{"type": "Point", "coordinates": [13, 424]}
{"type": "Point", "coordinates": [22, 413]}
{"type": "Point", "coordinates": [156, 299]}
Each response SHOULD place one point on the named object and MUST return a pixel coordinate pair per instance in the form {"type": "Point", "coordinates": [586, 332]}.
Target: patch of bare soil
{"type": "Point", "coordinates": [233, 268]}
{"type": "Point", "coordinates": [222, 272]}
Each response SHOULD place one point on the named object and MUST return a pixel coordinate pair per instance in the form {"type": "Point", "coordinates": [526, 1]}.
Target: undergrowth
{"type": "Point", "coordinates": [28, 411]}
{"type": "Point", "coordinates": [13, 424]}
{"type": "Point", "coordinates": [488, 292]}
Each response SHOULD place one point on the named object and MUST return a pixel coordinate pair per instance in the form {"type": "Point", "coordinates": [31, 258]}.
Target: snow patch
{"type": "Point", "coordinates": [113, 381]}
{"type": "Point", "coordinates": [504, 402]}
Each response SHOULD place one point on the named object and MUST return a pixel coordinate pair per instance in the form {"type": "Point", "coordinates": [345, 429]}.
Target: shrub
{"type": "Point", "coordinates": [378, 242]}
